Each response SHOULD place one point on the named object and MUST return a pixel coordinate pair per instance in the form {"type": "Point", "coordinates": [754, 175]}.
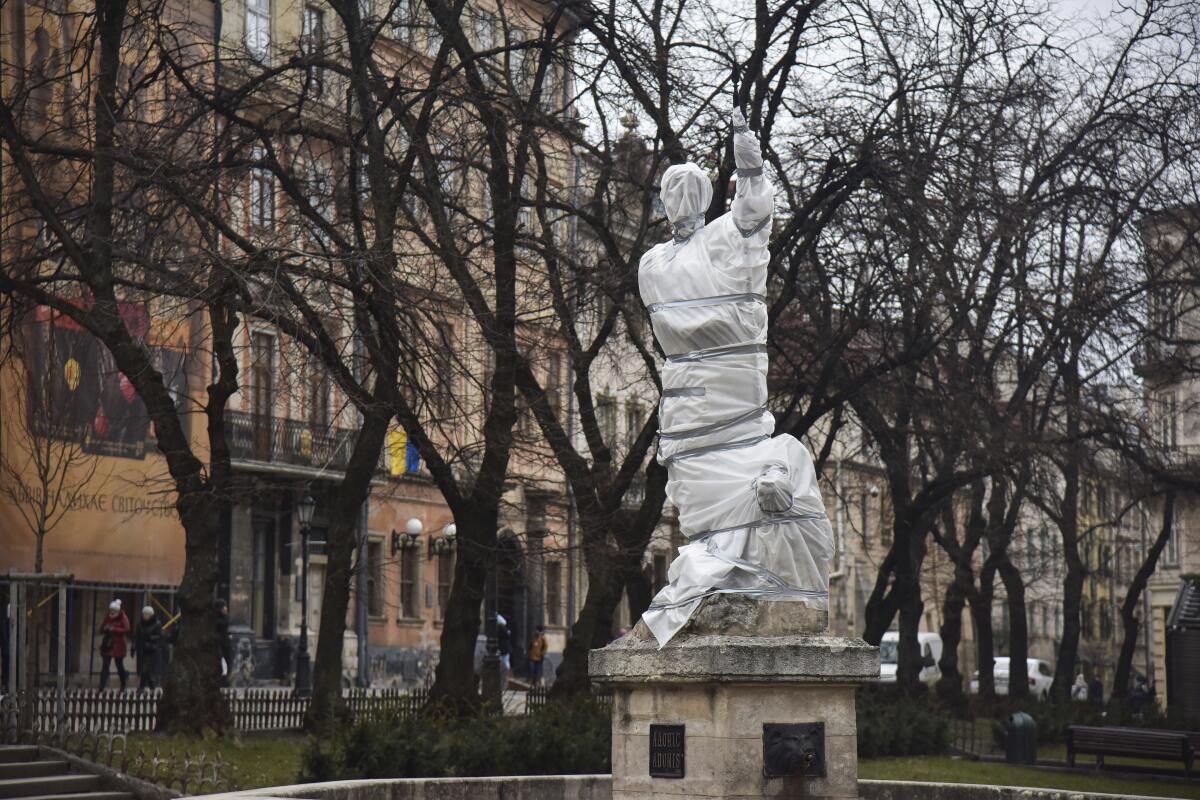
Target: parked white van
{"type": "Point", "coordinates": [931, 654]}
{"type": "Point", "coordinates": [1039, 674]}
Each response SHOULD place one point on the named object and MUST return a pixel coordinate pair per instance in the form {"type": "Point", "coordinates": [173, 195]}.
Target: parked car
{"type": "Point", "coordinates": [1040, 677]}
{"type": "Point", "coordinates": [931, 654]}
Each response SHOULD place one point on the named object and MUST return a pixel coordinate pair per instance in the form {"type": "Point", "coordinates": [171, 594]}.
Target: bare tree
{"type": "Point", "coordinates": [46, 466]}
{"type": "Point", "coordinates": [92, 136]}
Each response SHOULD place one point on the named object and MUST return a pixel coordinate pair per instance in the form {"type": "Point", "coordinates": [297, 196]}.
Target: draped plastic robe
{"type": "Point", "coordinates": [748, 503]}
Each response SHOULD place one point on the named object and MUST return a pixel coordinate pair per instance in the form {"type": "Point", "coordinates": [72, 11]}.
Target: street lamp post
{"type": "Point", "coordinates": [304, 510]}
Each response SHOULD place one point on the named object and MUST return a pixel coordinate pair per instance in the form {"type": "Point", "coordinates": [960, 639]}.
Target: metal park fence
{"type": "Point", "coordinates": [260, 709]}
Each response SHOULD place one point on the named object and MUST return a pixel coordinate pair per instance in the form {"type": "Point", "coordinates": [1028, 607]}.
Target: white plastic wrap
{"type": "Point", "coordinates": [748, 503]}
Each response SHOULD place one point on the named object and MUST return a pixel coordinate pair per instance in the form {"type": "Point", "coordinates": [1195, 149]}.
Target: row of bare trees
{"type": "Point", "coordinates": [432, 203]}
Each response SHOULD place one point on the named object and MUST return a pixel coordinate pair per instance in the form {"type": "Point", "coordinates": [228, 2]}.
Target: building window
{"type": "Point", "coordinates": [263, 600]}
{"type": "Point", "coordinates": [606, 417]}
{"type": "Point", "coordinates": [554, 593]}
{"type": "Point", "coordinates": [410, 564]}
{"type": "Point", "coordinates": [633, 421]}
{"type": "Point", "coordinates": [554, 384]}
{"type": "Point", "coordinates": [258, 27]}
{"type": "Point", "coordinates": [313, 43]}
{"type": "Point", "coordinates": [1170, 554]}
{"type": "Point", "coordinates": [486, 25]}
{"type": "Point", "coordinates": [443, 399]}
{"type": "Point", "coordinates": [660, 571]}
{"type": "Point", "coordinates": [262, 373]}
{"type": "Point", "coordinates": [402, 20]}
{"type": "Point", "coordinates": [1167, 413]}
{"type": "Point", "coordinates": [319, 413]}
{"type": "Point", "coordinates": [262, 194]}
{"type": "Point", "coordinates": [262, 393]}
{"type": "Point", "coordinates": [374, 578]}
{"type": "Point", "coordinates": [445, 576]}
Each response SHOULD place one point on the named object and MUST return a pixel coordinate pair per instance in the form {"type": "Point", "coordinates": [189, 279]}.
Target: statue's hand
{"type": "Point", "coordinates": [774, 489]}
{"type": "Point", "coordinates": [747, 154]}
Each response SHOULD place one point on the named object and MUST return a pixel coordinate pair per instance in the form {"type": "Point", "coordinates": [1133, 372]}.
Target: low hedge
{"type": "Point", "coordinates": [560, 739]}
{"type": "Point", "coordinates": [893, 724]}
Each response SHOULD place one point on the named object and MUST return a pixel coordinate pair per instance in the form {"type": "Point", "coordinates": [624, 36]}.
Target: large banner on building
{"type": "Point", "coordinates": [76, 391]}
{"type": "Point", "coordinates": [75, 434]}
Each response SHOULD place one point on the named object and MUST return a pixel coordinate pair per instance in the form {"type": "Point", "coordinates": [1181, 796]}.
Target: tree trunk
{"type": "Point", "coordinates": [639, 591]}
{"type": "Point", "coordinates": [456, 685]}
{"type": "Point", "coordinates": [985, 636]}
{"type": "Point", "coordinates": [1133, 596]}
{"type": "Point", "coordinates": [881, 605]}
{"type": "Point", "coordinates": [192, 702]}
{"type": "Point", "coordinates": [610, 569]}
{"type": "Point", "coordinates": [911, 606]}
{"type": "Point", "coordinates": [950, 685]}
{"type": "Point", "coordinates": [591, 630]}
{"type": "Point", "coordinates": [340, 546]}
{"type": "Point", "coordinates": [1018, 631]}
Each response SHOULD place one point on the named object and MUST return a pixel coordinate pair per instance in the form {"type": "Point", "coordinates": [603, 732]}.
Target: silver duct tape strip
{"type": "Point", "coordinates": [715, 300]}
{"type": "Point", "coordinates": [683, 228]}
{"type": "Point", "coordinates": [713, 427]}
{"type": "Point", "coordinates": [712, 448]}
{"type": "Point", "coordinates": [685, 391]}
{"type": "Point", "coordinates": [744, 348]}
{"type": "Point", "coordinates": [749, 172]}
{"type": "Point", "coordinates": [804, 594]}
{"type": "Point", "coordinates": [758, 523]}
{"type": "Point", "coordinates": [746, 234]}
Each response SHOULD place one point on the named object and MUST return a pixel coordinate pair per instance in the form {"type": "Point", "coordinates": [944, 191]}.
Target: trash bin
{"type": "Point", "coordinates": [1020, 740]}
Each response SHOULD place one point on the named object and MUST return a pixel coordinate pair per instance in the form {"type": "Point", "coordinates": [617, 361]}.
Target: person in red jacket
{"type": "Point", "coordinates": [113, 646]}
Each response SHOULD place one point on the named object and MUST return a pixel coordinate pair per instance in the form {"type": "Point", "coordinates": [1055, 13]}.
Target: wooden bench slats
{"type": "Point", "coordinates": [1131, 743]}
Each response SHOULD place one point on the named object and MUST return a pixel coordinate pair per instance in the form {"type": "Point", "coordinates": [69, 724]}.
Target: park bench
{"type": "Point", "coordinates": [1129, 743]}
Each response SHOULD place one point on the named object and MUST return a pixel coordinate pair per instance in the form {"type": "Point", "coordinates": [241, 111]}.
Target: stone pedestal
{"type": "Point", "coordinates": [740, 664]}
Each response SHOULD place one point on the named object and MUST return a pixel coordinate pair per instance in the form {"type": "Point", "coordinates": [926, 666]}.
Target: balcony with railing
{"type": "Point", "coordinates": [1180, 458]}
{"type": "Point", "coordinates": [287, 444]}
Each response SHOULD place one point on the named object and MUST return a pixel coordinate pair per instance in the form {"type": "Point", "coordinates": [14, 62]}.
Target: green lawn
{"type": "Point", "coordinates": [1058, 752]}
{"type": "Point", "coordinates": [956, 770]}
{"type": "Point", "coordinates": [257, 760]}
{"type": "Point", "coordinates": [274, 760]}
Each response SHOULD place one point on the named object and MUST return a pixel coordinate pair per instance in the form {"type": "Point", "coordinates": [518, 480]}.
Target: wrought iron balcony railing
{"type": "Point", "coordinates": [297, 443]}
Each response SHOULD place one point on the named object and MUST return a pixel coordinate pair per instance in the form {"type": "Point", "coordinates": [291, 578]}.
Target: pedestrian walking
{"type": "Point", "coordinates": [147, 646]}
{"type": "Point", "coordinates": [537, 655]}
{"type": "Point", "coordinates": [113, 644]}
{"type": "Point", "coordinates": [504, 647]}
{"type": "Point", "coordinates": [224, 645]}
{"type": "Point", "coordinates": [1079, 689]}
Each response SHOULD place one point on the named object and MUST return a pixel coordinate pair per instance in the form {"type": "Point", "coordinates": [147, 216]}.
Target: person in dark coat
{"type": "Point", "coordinates": [113, 645]}
{"type": "Point", "coordinates": [147, 646]}
{"type": "Point", "coordinates": [223, 642]}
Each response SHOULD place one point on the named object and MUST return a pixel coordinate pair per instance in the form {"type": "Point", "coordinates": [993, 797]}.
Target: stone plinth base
{"type": "Point", "coordinates": [723, 688]}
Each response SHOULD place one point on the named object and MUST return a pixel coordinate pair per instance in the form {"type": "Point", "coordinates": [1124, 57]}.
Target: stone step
{"type": "Point", "coordinates": [10, 753]}
{"type": "Point", "coordinates": [48, 785]}
{"type": "Point", "coordinates": [33, 769]}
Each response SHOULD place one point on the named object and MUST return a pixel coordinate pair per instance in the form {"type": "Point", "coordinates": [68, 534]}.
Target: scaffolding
{"type": "Point", "coordinates": [24, 588]}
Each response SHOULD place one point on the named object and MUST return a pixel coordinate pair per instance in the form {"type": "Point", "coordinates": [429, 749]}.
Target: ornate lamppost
{"type": "Point", "coordinates": [304, 511]}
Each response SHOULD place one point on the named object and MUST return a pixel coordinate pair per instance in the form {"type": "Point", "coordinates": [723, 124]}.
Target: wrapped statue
{"type": "Point", "coordinates": [748, 503]}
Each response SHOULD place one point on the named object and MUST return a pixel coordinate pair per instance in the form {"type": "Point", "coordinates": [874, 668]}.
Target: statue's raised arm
{"type": "Point", "coordinates": [755, 196]}
{"type": "Point", "coordinates": [747, 502]}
